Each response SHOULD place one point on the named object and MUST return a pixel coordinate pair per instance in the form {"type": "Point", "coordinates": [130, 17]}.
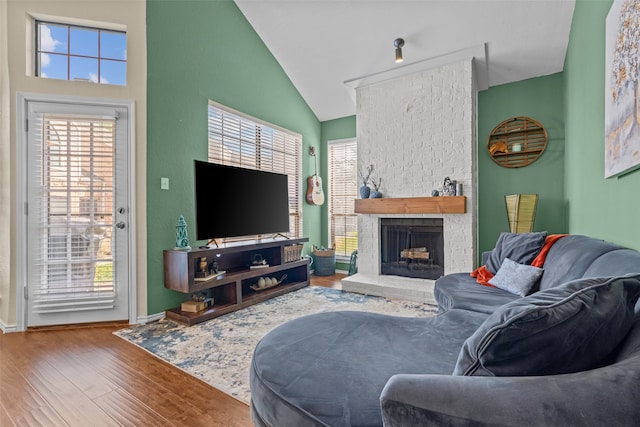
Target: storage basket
{"type": "Point", "coordinates": [324, 262]}
{"type": "Point", "coordinates": [292, 253]}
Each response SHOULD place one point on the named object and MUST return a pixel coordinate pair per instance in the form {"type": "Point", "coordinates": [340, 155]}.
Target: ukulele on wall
{"type": "Point", "coordinates": [315, 195]}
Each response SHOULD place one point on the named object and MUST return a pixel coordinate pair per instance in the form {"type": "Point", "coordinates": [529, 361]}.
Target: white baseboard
{"type": "Point", "coordinates": [143, 320]}
{"type": "Point", "coordinates": [7, 329]}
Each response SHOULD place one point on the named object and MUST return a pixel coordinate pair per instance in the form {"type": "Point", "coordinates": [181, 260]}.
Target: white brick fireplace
{"type": "Point", "coordinates": [416, 130]}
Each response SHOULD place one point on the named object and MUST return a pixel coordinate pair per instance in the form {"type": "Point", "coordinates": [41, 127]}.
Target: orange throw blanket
{"type": "Point", "coordinates": [483, 275]}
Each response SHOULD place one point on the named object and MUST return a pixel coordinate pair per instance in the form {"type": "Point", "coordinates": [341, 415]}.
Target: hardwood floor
{"type": "Point", "coordinates": [86, 376]}
{"type": "Point", "coordinates": [328, 281]}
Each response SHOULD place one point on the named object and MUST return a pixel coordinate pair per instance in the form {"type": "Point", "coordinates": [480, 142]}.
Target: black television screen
{"type": "Point", "coordinates": [233, 201]}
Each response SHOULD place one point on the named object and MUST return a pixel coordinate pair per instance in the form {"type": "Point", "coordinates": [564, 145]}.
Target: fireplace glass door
{"type": "Point", "coordinates": [412, 247]}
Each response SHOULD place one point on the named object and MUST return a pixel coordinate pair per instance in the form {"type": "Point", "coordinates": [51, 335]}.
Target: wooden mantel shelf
{"type": "Point", "coordinates": [413, 205]}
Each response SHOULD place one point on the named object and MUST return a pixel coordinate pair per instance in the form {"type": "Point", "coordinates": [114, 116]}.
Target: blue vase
{"type": "Point", "coordinates": [376, 194]}
{"type": "Point", "coordinates": [364, 192]}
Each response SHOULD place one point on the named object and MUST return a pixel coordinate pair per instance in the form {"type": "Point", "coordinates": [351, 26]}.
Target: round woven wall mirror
{"type": "Point", "coordinates": [517, 142]}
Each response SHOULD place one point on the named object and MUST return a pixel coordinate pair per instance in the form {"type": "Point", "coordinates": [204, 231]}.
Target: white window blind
{"type": "Point", "coordinates": [343, 190]}
{"type": "Point", "coordinates": [236, 139]}
{"type": "Point", "coordinates": [72, 256]}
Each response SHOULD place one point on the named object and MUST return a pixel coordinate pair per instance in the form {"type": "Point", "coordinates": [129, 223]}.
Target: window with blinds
{"type": "Point", "coordinates": [343, 190]}
{"type": "Point", "coordinates": [236, 139]}
{"type": "Point", "coordinates": [76, 170]}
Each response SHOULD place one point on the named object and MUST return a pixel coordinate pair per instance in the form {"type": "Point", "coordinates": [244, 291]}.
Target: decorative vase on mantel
{"type": "Point", "coordinates": [376, 194]}
{"type": "Point", "coordinates": [365, 191]}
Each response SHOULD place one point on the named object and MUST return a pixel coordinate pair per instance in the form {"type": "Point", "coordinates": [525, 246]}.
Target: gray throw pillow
{"type": "Point", "coordinates": [516, 278]}
{"type": "Point", "coordinates": [519, 247]}
{"type": "Point", "coordinates": [569, 328]}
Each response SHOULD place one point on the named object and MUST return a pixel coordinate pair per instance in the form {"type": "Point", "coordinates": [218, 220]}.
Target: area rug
{"type": "Point", "coordinates": [219, 351]}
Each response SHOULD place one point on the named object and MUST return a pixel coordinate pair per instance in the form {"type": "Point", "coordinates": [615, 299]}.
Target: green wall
{"type": "Point", "coordinates": [598, 207]}
{"type": "Point", "coordinates": [200, 50]}
{"type": "Point", "coordinates": [331, 130]}
{"type": "Point", "coordinates": [542, 99]}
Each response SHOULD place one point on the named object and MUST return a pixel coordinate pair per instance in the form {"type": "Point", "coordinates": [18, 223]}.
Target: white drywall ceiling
{"type": "Point", "coordinates": [320, 44]}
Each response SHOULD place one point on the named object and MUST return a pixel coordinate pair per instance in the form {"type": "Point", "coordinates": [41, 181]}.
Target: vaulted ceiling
{"type": "Point", "coordinates": [320, 44]}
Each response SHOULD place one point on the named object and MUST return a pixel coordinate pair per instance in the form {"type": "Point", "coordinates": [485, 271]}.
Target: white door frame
{"type": "Point", "coordinates": [22, 101]}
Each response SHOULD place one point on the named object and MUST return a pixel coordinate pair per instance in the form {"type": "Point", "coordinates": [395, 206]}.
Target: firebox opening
{"type": "Point", "coordinates": [412, 247]}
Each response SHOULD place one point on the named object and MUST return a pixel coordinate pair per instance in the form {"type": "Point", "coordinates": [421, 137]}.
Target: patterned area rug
{"type": "Point", "coordinates": [219, 351]}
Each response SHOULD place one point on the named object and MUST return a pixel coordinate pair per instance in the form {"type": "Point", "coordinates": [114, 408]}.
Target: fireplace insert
{"type": "Point", "coordinates": [412, 247]}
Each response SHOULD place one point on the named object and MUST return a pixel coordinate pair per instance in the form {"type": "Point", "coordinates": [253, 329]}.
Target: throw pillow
{"type": "Point", "coordinates": [519, 247]}
{"type": "Point", "coordinates": [516, 278]}
{"type": "Point", "coordinates": [569, 328]}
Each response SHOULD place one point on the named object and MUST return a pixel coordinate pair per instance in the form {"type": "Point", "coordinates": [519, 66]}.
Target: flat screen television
{"type": "Point", "coordinates": [233, 201]}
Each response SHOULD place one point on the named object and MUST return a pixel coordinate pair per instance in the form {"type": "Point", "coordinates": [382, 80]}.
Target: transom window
{"type": "Point", "coordinates": [70, 52]}
{"type": "Point", "coordinates": [236, 139]}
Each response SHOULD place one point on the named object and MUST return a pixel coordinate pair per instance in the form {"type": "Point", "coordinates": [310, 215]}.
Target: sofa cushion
{"type": "Point", "coordinates": [568, 328]}
{"type": "Point", "coordinates": [570, 257]}
{"type": "Point", "coordinates": [516, 278]}
{"type": "Point", "coordinates": [459, 290]}
{"type": "Point", "coordinates": [519, 247]}
{"type": "Point", "coordinates": [330, 368]}
{"type": "Point", "coordinates": [615, 263]}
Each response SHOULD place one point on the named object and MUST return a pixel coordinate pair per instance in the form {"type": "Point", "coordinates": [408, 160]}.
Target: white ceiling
{"type": "Point", "coordinates": [320, 44]}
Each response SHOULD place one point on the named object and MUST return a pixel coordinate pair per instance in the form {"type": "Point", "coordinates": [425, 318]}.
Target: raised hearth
{"type": "Point", "coordinates": [394, 287]}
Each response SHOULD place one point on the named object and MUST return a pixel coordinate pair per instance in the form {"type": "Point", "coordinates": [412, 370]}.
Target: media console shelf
{"type": "Point", "coordinates": [232, 290]}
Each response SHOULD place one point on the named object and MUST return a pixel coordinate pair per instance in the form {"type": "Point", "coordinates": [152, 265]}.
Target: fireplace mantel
{"type": "Point", "coordinates": [412, 205]}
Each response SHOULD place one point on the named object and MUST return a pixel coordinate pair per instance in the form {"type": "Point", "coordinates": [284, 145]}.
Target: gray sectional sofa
{"type": "Point", "coordinates": [566, 354]}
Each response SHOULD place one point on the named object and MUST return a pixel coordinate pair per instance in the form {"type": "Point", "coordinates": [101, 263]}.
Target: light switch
{"type": "Point", "coordinates": [164, 183]}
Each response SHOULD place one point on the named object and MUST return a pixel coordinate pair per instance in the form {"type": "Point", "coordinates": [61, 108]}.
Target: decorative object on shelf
{"type": "Point", "coordinates": [199, 301]}
{"type": "Point", "coordinates": [498, 147]}
{"type": "Point", "coordinates": [622, 89]}
{"type": "Point", "coordinates": [376, 194]}
{"type": "Point", "coordinates": [517, 142]}
{"type": "Point", "coordinates": [205, 271]}
{"type": "Point", "coordinates": [202, 267]}
{"type": "Point", "coordinates": [448, 187]}
{"type": "Point", "coordinates": [458, 189]}
{"type": "Point", "coordinates": [435, 193]}
{"type": "Point", "coordinates": [182, 240]}
{"type": "Point", "coordinates": [258, 262]}
{"type": "Point", "coordinates": [218, 274]}
{"type": "Point", "coordinates": [267, 282]}
{"type": "Point", "coordinates": [521, 212]}
{"type": "Point", "coordinates": [365, 191]}
{"type": "Point", "coordinates": [292, 253]}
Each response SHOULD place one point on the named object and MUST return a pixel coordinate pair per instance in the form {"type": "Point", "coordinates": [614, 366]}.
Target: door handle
{"type": "Point", "coordinates": [120, 225]}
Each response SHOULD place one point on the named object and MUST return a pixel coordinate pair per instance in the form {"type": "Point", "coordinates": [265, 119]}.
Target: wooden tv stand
{"type": "Point", "coordinates": [233, 289]}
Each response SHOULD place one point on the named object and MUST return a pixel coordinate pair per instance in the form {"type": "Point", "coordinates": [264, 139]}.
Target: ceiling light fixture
{"type": "Point", "coordinates": [398, 43]}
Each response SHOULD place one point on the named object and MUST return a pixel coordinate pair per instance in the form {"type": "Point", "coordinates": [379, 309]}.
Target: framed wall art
{"type": "Point", "coordinates": [622, 91]}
